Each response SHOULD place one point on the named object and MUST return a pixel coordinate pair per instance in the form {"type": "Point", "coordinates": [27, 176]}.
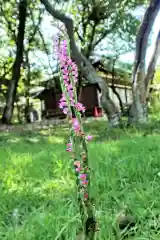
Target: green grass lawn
{"type": "Point", "coordinates": [37, 183]}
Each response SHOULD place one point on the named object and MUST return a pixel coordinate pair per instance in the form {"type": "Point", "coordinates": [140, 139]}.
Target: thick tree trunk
{"type": "Point", "coordinates": [85, 67]}
{"type": "Point", "coordinates": [138, 110]}
{"type": "Point", "coordinates": [142, 115]}
{"type": "Point", "coordinates": [12, 88]}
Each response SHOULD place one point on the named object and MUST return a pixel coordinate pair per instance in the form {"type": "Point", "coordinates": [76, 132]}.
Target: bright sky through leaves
{"type": "Point", "coordinates": [129, 57]}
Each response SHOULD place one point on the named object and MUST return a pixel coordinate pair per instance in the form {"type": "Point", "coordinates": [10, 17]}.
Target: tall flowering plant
{"type": "Point", "coordinates": [77, 144]}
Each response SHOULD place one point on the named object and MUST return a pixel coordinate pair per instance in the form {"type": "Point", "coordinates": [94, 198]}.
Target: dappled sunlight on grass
{"type": "Point", "coordinates": [55, 139]}
{"type": "Point", "coordinates": [33, 140]}
{"type": "Point", "coordinates": [60, 186]}
{"type": "Point", "coordinates": [13, 140]}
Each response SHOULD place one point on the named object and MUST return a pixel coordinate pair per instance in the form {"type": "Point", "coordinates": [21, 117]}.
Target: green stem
{"type": "Point", "coordinates": [86, 206]}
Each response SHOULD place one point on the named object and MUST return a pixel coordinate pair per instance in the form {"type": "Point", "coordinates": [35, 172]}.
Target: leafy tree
{"type": "Point", "coordinates": [98, 21]}
{"type": "Point", "coordinates": [141, 78]}
{"type": "Point", "coordinates": [12, 89]}
{"type": "Point", "coordinates": [33, 41]}
{"type": "Point", "coordinates": [97, 14]}
{"type": "Point", "coordinates": [138, 108]}
{"type": "Point", "coordinates": [94, 25]}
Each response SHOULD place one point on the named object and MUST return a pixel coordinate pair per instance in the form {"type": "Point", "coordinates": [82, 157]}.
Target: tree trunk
{"type": "Point", "coordinates": [151, 68]}
{"type": "Point", "coordinates": [12, 88]}
{"type": "Point", "coordinates": [114, 88]}
{"type": "Point", "coordinates": [138, 110]}
{"type": "Point", "coordinates": [85, 67]}
{"type": "Point", "coordinates": [27, 86]}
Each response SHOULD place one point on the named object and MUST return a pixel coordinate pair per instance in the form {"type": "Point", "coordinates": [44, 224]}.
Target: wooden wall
{"type": "Point", "coordinates": [88, 96]}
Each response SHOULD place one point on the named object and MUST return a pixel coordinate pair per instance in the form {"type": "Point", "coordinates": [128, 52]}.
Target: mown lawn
{"type": "Point", "coordinates": [37, 184]}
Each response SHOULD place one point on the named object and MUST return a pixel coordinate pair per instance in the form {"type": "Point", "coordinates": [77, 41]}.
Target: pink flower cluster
{"type": "Point", "coordinates": [70, 73]}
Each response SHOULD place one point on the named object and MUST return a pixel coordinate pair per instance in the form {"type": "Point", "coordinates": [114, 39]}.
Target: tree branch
{"type": "Point", "coordinates": [79, 36]}
{"type": "Point", "coordinates": [113, 86]}
{"type": "Point", "coordinates": [46, 50]}
{"type": "Point", "coordinates": [84, 20]}
{"type": "Point", "coordinates": [90, 46]}
{"type": "Point", "coordinates": [103, 35]}
{"type": "Point", "coordinates": [81, 61]}
{"type": "Point", "coordinates": [151, 68]}
{"type": "Point", "coordinates": [143, 35]}
{"type": "Point", "coordinates": [36, 26]}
